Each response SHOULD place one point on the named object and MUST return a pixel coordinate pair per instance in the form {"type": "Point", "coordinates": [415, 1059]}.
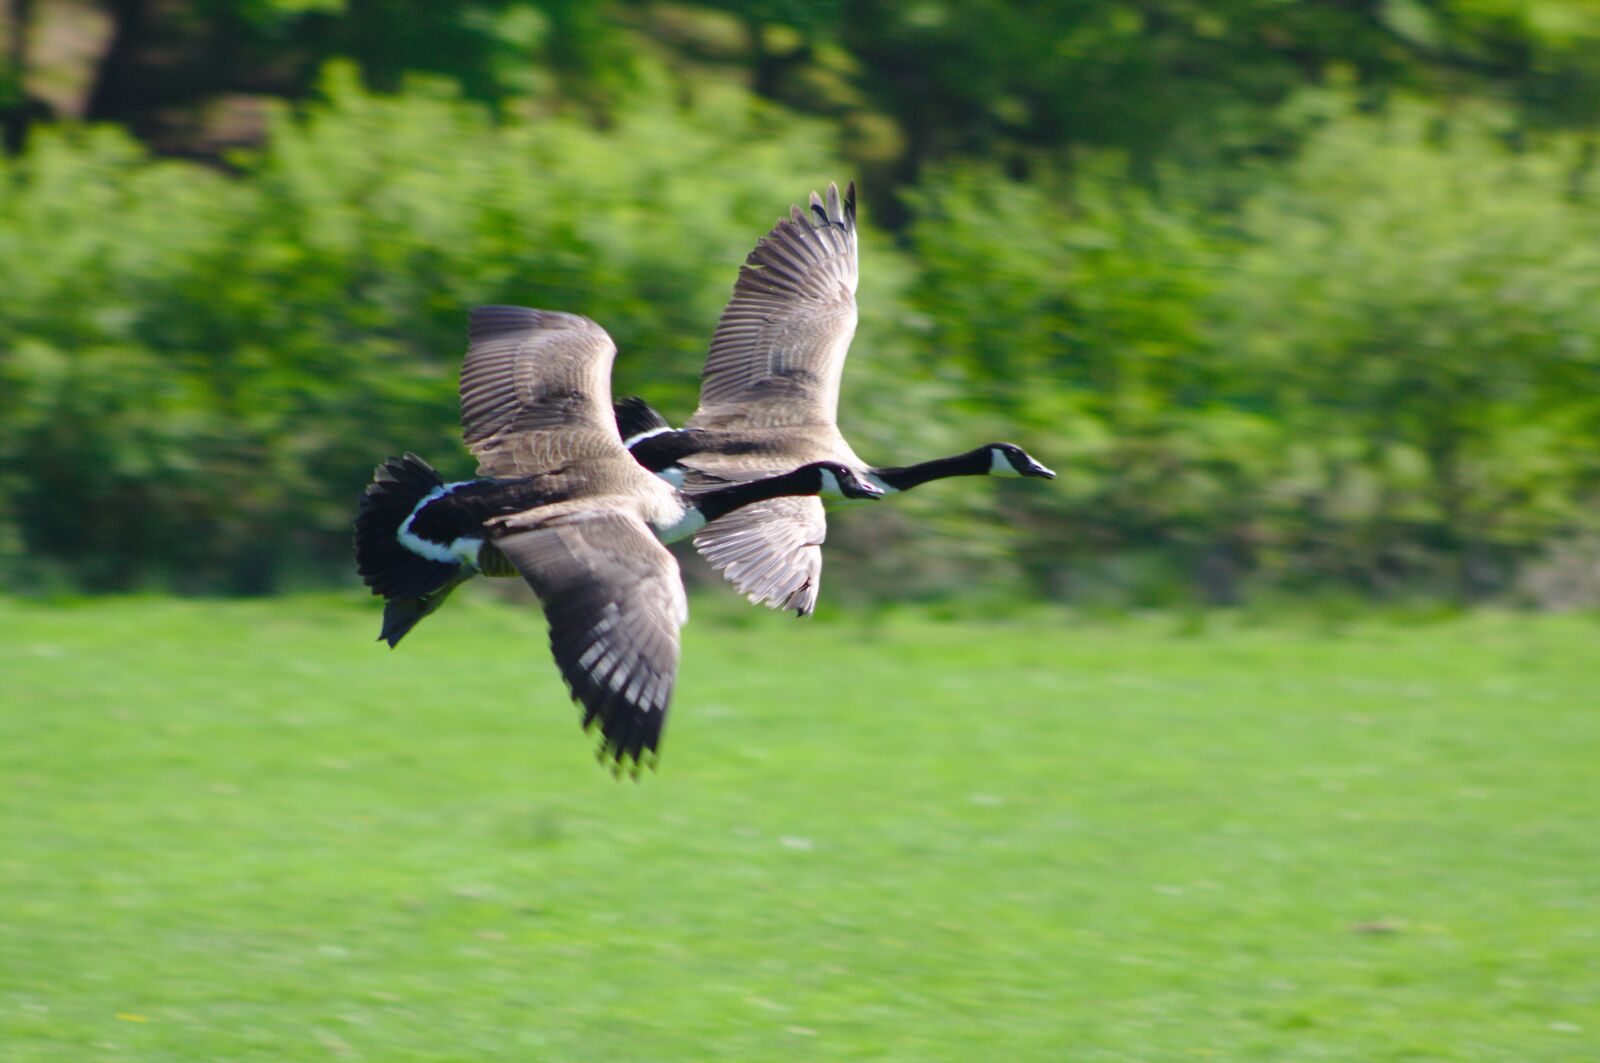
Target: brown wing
{"type": "Point", "coordinates": [771, 551]}
{"type": "Point", "coordinates": [536, 390]}
{"type": "Point", "coordinates": [614, 600]}
{"type": "Point", "coordinates": [779, 348]}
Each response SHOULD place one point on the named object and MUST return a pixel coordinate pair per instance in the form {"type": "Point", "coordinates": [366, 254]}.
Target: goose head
{"type": "Point", "coordinates": [835, 480]}
{"type": "Point", "coordinates": [1008, 459]}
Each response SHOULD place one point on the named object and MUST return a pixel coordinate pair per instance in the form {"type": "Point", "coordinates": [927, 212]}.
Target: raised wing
{"type": "Point", "coordinates": [614, 600]}
{"type": "Point", "coordinates": [779, 348]}
{"type": "Point", "coordinates": [536, 390]}
{"type": "Point", "coordinates": [771, 551]}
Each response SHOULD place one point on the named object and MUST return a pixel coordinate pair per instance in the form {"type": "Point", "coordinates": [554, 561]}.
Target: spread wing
{"type": "Point", "coordinates": [779, 348]}
{"type": "Point", "coordinates": [536, 391]}
{"type": "Point", "coordinates": [771, 551]}
{"type": "Point", "coordinates": [614, 600]}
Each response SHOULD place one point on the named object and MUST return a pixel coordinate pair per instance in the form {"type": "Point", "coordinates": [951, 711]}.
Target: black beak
{"type": "Point", "coordinates": [863, 489]}
{"type": "Point", "coordinates": [1033, 468]}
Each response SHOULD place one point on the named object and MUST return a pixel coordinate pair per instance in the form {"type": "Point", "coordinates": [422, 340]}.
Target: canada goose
{"type": "Point", "coordinates": [560, 502]}
{"type": "Point", "coordinates": [769, 398]}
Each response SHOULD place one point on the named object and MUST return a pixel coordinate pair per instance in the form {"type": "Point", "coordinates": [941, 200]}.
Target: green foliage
{"type": "Point", "coordinates": [1373, 361]}
{"type": "Point", "coordinates": [1080, 310]}
{"type": "Point", "coordinates": [912, 83]}
{"type": "Point", "coordinates": [1425, 308]}
{"type": "Point", "coordinates": [1162, 80]}
{"type": "Point", "coordinates": [1384, 368]}
{"type": "Point", "coordinates": [245, 831]}
{"type": "Point", "coordinates": [111, 434]}
{"type": "Point", "coordinates": [214, 364]}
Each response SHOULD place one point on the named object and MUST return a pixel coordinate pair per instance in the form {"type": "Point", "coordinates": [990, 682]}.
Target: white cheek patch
{"type": "Point", "coordinates": [1000, 465]}
{"type": "Point", "coordinates": [830, 485]}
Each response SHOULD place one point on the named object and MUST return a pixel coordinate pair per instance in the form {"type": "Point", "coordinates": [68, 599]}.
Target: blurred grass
{"type": "Point", "coordinates": [245, 831]}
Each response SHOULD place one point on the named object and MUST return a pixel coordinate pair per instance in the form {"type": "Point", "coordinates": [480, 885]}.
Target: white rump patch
{"type": "Point", "coordinates": [462, 551]}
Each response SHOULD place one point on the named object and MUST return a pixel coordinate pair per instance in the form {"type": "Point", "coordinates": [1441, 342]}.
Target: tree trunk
{"type": "Point", "coordinates": [764, 66]}
{"type": "Point", "coordinates": [17, 109]}
{"type": "Point", "coordinates": [108, 99]}
{"type": "Point", "coordinates": [17, 42]}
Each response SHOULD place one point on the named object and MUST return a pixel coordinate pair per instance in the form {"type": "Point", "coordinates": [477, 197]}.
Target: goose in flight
{"type": "Point", "coordinates": [769, 398]}
{"type": "Point", "coordinates": [560, 502]}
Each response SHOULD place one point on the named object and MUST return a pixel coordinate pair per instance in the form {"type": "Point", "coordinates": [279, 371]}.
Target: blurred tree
{"type": "Point", "coordinates": [18, 107]}
{"type": "Point", "coordinates": [1424, 308]}
{"type": "Point", "coordinates": [1271, 331]}
{"type": "Point", "coordinates": [1385, 370]}
{"type": "Point", "coordinates": [1161, 79]}
{"type": "Point", "coordinates": [235, 376]}
{"type": "Point", "coordinates": [915, 80]}
{"type": "Point", "coordinates": [167, 61]}
{"type": "Point", "coordinates": [1079, 313]}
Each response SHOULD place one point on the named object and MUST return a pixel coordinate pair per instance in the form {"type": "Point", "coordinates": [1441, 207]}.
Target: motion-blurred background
{"type": "Point", "coordinates": [1300, 298]}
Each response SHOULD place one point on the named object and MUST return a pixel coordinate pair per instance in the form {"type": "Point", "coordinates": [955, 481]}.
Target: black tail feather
{"type": "Point", "coordinates": [635, 416]}
{"type": "Point", "coordinates": [400, 615]}
{"type": "Point", "coordinates": [391, 570]}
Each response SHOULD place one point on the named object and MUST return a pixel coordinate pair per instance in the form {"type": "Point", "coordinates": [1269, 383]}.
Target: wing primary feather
{"type": "Point", "coordinates": [612, 598]}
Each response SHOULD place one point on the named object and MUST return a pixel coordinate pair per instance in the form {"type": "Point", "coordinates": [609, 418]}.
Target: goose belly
{"type": "Point", "coordinates": [678, 521]}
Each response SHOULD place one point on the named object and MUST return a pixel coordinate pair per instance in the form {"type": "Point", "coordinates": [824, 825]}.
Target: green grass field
{"type": "Point", "coordinates": [247, 831]}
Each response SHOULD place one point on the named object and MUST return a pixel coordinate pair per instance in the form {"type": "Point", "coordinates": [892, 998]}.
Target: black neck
{"type": "Point", "coordinates": [714, 504]}
{"type": "Point", "coordinates": [905, 477]}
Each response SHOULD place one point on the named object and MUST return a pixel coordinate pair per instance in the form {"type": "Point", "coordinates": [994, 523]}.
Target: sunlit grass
{"type": "Point", "coordinates": [246, 831]}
